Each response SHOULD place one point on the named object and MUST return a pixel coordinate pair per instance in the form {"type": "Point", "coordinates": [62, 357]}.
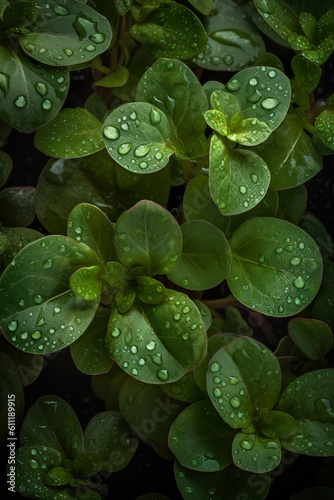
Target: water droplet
{"type": "Point", "coordinates": [143, 165]}
{"type": "Point", "coordinates": [57, 310]}
{"type": "Point", "coordinates": [115, 332]}
{"type": "Point", "coordinates": [272, 445]}
{"type": "Point", "coordinates": [215, 367]}
{"type": "Point", "coordinates": [234, 380]}
{"type": "Point", "coordinates": [217, 392]}
{"type": "Point", "coordinates": [158, 156]}
{"type": "Point", "coordinates": [297, 301]}
{"type": "Point", "coordinates": [42, 50]}
{"type": "Point", "coordinates": [295, 261]}
{"type": "Point", "coordinates": [36, 335]}
{"type": "Point", "coordinates": [228, 59]}
{"type": "Point", "coordinates": [215, 60]}
{"type": "Point", "coordinates": [47, 264]}
{"type": "Point", "coordinates": [246, 445]}
{"type": "Point", "coordinates": [125, 126]}
{"type": "Point", "coordinates": [142, 150]}
{"type": "Point", "coordinates": [272, 73]}
{"type": "Point", "coordinates": [68, 52]}
{"type": "Point", "coordinates": [235, 402]}
{"type": "Point", "coordinates": [47, 104]}
{"type": "Point", "coordinates": [41, 88]}
{"type": "Point", "coordinates": [123, 149]}
{"type": "Point", "coordinates": [90, 48]}
{"type": "Point", "coordinates": [261, 259]}
{"type": "Point", "coordinates": [12, 326]}
{"type": "Point", "coordinates": [233, 85]}
{"type": "Point", "coordinates": [278, 250]}
{"type": "Point", "coordinates": [20, 101]}
{"type": "Point", "coordinates": [155, 116]}
{"type": "Point", "coordinates": [134, 371]}
{"type": "Point", "coordinates": [60, 10]}
{"type": "Point", "coordinates": [254, 178]}
{"type": "Point", "coordinates": [177, 317]}
{"type": "Point", "coordinates": [33, 464]}
{"type": "Point", "coordinates": [111, 132]}
{"type": "Point", "coordinates": [253, 81]}
{"type": "Point", "coordinates": [185, 282]}
{"type": "Point", "coordinates": [163, 375]}
{"type": "Point", "coordinates": [156, 358]}
{"type": "Point", "coordinates": [150, 346]}
{"type": "Point", "coordinates": [38, 299]}
{"type": "Point", "coordinates": [97, 37]}
{"type": "Point", "coordinates": [301, 246]}
{"type": "Point", "coordinates": [269, 103]}
{"type": "Point", "coordinates": [299, 282]}
{"type": "Point", "coordinates": [24, 335]}
{"type": "Point", "coordinates": [243, 189]}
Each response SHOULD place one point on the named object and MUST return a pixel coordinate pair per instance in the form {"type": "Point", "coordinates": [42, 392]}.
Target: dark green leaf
{"type": "Point", "coordinates": [44, 425]}
{"type": "Point", "coordinates": [200, 440]}
{"type": "Point", "coordinates": [323, 492]}
{"type": "Point", "coordinates": [17, 206]}
{"type": "Point", "coordinates": [20, 15]}
{"type": "Point", "coordinates": [58, 476]}
{"type": "Point", "coordinates": [18, 237]}
{"type": "Point", "coordinates": [203, 6]}
{"type": "Point", "coordinates": [306, 73]}
{"type": "Point", "coordinates": [125, 298]}
{"type": "Point", "coordinates": [205, 259]}
{"type": "Point", "coordinates": [256, 453]}
{"type": "Point", "coordinates": [107, 434]}
{"type": "Point", "coordinates": [66, 33]}
{"type": "Point", "coordinates": [324, 126]}
{"type": "Point", "coordinates": [149, 290]}
{"type": "Point", "coordinates": [86, 282]}
{"type": "Point", "coordinates": [314, 338]}
{"type": "Point", "coordinates": [30, 94]}
{"type": "Point", "coordinates": [72, 134]}
{"type": "Point", "coordinates": [276, 267]}
{"type": "Point", "coordinates": [95, 105]}
{"type": "Point", "coordinates": [116, 79]}
{"type": "Point", "coordinates": [323, 307]}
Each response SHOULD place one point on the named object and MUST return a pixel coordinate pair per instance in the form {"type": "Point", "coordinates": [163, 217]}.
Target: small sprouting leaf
{"type": "Point", "coordinates": [324, 126]}
{"type": "Point", "coordinates": [11, 395]}
{"type": "Point", "coordinates": [233, 381]}
{"type": "Point", "coordinates": [239, 178]}
{"type": "Point", "coordinates": [276, 267]}
{"type": "Point", "coordinates": [40, 314]}
{"type": "Point", "coordinates": [17, 206]}
{"type": "Point", "coordinates": [205, 258]}
{"type": "Point", "coordinates": [309, 399]}
{"type": "Point", "coordinates": [149, 290]}
{"type": "Point", "coordinates": [250, 86]}
{"type": "Point", "coordinates": [74, 133]}
{"type": "Point", "coordinates": [116, 79]}
{"type": "Point", "coordinates": [290, 154]}
{"type": "Point", "coordinates": [89, 352]}
{"type": "Point", "coordinates": [85, 282]}
{"type": "Point", "coordinates": [6, 165]}
{"type": "Point", "coordinates": [66, 33]}
{"type": "Point", "coordinates": [124, 298]}
{"type": "Point", "coordinates": [89, 225]}
{"type": "Point", "coordinates": [104, 435]}
{"type": "Point", "coordinates": [31, 94]}
{"type": "Point", "coordinates": [148, 235]}
{"type": "Point", "coordinates": [44, 425]}
{"type": "Point", "coordinates": [171, 339]}
{"type": "Point", "coordinates": [58, 476]}
{"type": "Point", "coordinates": [233, 41]}
{"type": "Point", "coordinates": [170, 31]}
{"type": "Point", "coordinates": [138, 137]}
{"type": "Point", "coordinates": [201, 423]}
{"type": "Point", "coordinates": [314, 338]}
{"type": "Point", "coordinates": [174, 89]}
{"type": "Point", "coordinates": [29, 471]}
{"type": "Point", "coordinates": [256, 453]}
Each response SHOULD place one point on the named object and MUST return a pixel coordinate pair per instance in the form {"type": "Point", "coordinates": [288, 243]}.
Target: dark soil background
{"type": "Point", "coordinates": [147, 472]}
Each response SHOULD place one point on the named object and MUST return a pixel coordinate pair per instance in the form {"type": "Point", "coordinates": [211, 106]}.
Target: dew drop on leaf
{"type": "Point", "coordinates": [111, 132]}
{"type": "Point", "coordinates": [12, 326]}
{"type": "Point", "coordinates": [215, 367]}
{"type": "Point", "coordinates": [142, 150]}
{"type": "Point", "coordinates": [299, 282]}
{"type": "Point", "coordinates": [41, 88]}
{"type": "Point", "coordinates": [246, 445]}
{"type": "Point", "coordinates": [150, 346]}
{"type": "Point", "coordinates": [60, 10]}
{"type": "Point", "coordinates": [269, 103]}
{"type": "Point", "coordinates": [20, 101]}
{"type": "Point", "coordinates": [163, 375]}
{"type": "Point", "coordinates": [124, 148]}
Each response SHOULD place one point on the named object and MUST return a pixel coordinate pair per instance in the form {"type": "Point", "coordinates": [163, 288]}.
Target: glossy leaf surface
{"type": "Point", "coordinates": [314, 338]}
{"type": "Point", "coordinates": [256, 453]}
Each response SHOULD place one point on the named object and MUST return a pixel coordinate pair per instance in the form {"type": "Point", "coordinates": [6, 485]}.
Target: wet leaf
{"type": "Point", "coordinates": [276, 267]}
{"type": "Point", "coordinates": [233, 41]}
{"type": "Point", "coordinates": [169, 31]}
{"type": "Point", "coordinates": [44, 425]}
{"type": "Point", "coordinates": [138, 137]}
{"type": "Point", "coordinates": [18, 237]}
{"type": "Point", "coordinates": [105, 435]}
{"type": "Point", "coordinates": [324, 126]}
{"type": "Point", "coordinates": [200, 440]}
{"type": "Point", "coordinates": [149, 290]}
{"type": "Point", "coordinates": [74, 133]}
{"type": "Point", "coordinates": [31, 94]}
{"type": "Point", "coordinates": [148, 235]}
{"type": "Point", "coordinates": [17, 206]}
{"type": "Point", "coordinates": [58, 476]}
{"type": "Point", "coordinates": [314, 338]}
{"type": "Point", "coordinates": [256, 453]}
{"type": "Point", "coordinates": [40, 314]}
{"type": "Point", "coordinates": [309, 399]}
{"type": "Point", "coordinates": [86, 283]}
{"type": "Point", "coordinates": [239, 178]}
{"type": "Point", "coordinates": [66, 33]}
{"type": "Point", "coordinates": [205, 258]}
{"type": "Point", "coordinates": [88, 352]}
{"type": "Point", "coordinates": [242, 378]}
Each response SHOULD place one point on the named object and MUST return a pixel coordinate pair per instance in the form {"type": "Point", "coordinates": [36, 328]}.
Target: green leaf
{"type": "Point", "coordinates": [18, 237]}
{"type": "Point", "coordinates": [198, 204]}
{"type": "Point", "coordinates": [250, 86]}
{"type": "Point", "coordinates": [148, 410]}
{"type": "Point", "coordinates": [89, 225]}
{"type": "Point", "coordinates": [95, 105]}
{"type": "Point", "coordinates": [205, 259]}
{"type": "Point", "coordinates": [306, 73]}
{"type": "Point", "coordinates": [88, 352]}
{"type": "Point", "coordinates": [58, 476]}
{"type": "Point", "coordinates": [318, 232]}
{"type": "Point", "coordinates": [233, 41]}
{"type": "Point", "coordinates": [44, 425]}
{"type": "Point", "coordinates": [309, 399]}
{"type": "Point", "coordinates": [277, 424]}
{"type": "Point", "coordinates": [169, 31]}
{"type": "Point", "coordinates": [292, 204]}
{"type": "Point", "coordinates": [323, 307]}
{"type": "Point", "coordinates": [105, 434]}
{"type": "Point", "coordinates": [142, 142]}
{"type": "Point", "coordinates": [324, 126]}
{"type": "Point", "coordinates": [239, 178]}
{"type": "Point", "coordinates": [98, 180]}
{"type": "Point", "coordinates": [17, 206]}
{"type": "Point", "coordinates": [242, 378]}
{"type": "Point", "coordinates": [200, 440]}
{"type": "Point", "coordinates": [174, 89]}
{"type": "Point", "coordinates": [39, 312]}
{"type": "Point", "coordinates": [256, 453]}
{"type": "Point", "coordinates": [87, 464]}
{"type": "Point", "coordinates": [158, 343]}
{"type": "Point", "coordinates": [72, 134]}
{"type": "Point", "coordinates": [85, 283]}
{"type": "Point", "coordinates": [149, 290]}
{"type": "Point", "coordinates": [19, 15]}
{"type": "Point", "coordinates": [204, 312]}
{"type": "Point", "coordinates": [203, 6]}
{"type": "Point", "coordinates": [30, 474]}
{"type": "Point", "coordinates": [116, 79]}
{"type": "Point", "coordinates": [30, 94]}
{"type": "Point", "coordinates": [148, 235]}
{"type": "Point", "coordinates": [6, 166]}
{"type": "Point", "coordinates": [66, 33]}
{"type": "Point", "coordinates": [11, 397]}
{"type": "Point", "coordinates": [185, 389]}
{"type": "Point", "coordinates": [28, 366]}
{"type": "Point", "coordinates": [276, 267]}
{"type": "Point", "coordinates": [314, 338]}
{"type": "Point", "coordinates": [125, 298]}
{"type": "Point", "coordinates": [214, 343]}
{"type": "Point", "coordinates": [290, 154]}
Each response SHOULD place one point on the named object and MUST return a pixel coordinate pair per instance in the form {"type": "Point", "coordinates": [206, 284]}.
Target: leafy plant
{"type": "Point", "coordinates": [206, 329]}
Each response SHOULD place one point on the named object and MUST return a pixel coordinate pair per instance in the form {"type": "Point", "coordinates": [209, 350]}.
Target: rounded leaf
{"type": "Point", "coordinates": [314, 338]}
{"type": "Point", "coordinates": [256, 453]}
